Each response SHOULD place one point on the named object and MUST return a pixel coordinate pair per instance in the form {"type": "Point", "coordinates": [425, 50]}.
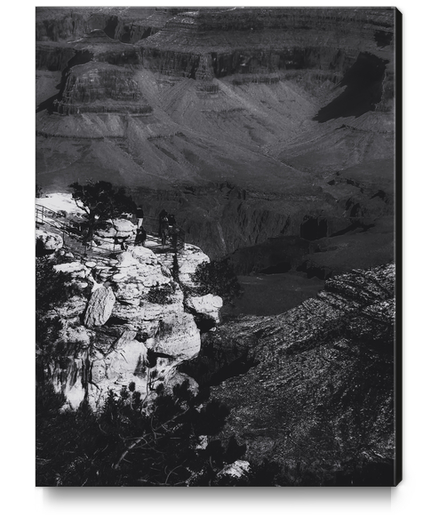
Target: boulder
{"type": "Point", "coordinates": [124, 227]}
{"type": "Point", "coordinates": [119, 228]}
{"type": "Point", "coordinates": [236, 470]}
{"type": "Point", "coordinates": [178, 336]}
{"type": "Point", "coordinates": [207, 305]}
{"type": "Point", "coordinates": [75, 269]}
{"type": "Point", "coordinates": [99, 307]}
{"type": "Point", "coordinates": [145, 256]}
{"type": "Point", "coordinates": [48, 241]}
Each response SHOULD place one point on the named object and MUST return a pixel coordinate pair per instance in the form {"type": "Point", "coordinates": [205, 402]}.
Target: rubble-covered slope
{"type": "Point", "coordinates": [313, 388]}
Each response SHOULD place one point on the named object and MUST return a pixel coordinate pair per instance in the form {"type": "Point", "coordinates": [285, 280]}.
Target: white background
{"type": "Point", "coordinates": [17, 292]}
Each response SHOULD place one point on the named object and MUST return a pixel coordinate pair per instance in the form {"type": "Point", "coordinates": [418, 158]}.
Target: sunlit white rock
{"type": "Point", "coordinates": [49, 240]}
{"type": "Point", "coordinates": [208, 305]}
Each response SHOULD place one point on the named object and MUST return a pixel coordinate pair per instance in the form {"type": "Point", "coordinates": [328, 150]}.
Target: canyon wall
{"type": "Point", "coordinates": [291, 107]}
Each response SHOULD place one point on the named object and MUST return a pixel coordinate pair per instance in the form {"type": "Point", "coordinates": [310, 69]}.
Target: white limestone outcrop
{"type": "Point", "coordinates": [115, 233]}
{"type": "Point", "coordinates": [188, 260]}
{"type": "Point", "coordinates": [48, 240]}
{"type": "Point", "coordinates": [99, 307]}
{"type": "Point", "coordinates": [208, 305]}
{"type": "Point", "coordinates": [130, 307]}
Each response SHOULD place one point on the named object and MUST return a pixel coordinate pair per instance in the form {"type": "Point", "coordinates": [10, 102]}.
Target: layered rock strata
{"type": "Point", "coordinates": [290, 109]}
{"type": "Point", "coordinates": [312, 388]}
{"type": "Point", "coordinates": [130, 324]}
{"type": "Point", "coordinates": [101, 88]}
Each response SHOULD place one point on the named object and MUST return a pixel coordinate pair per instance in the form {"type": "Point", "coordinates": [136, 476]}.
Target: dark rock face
{"type": "Point", "coordinates": [364, 81]}
{"type": "Point", "coordinates": [266, 40]}
{"type": "Point", "coordinates": [315, 390]}
{"type": "Point", "coordinates": [128, 25]}
{"type": "Point", "coordinates": [53, 58]}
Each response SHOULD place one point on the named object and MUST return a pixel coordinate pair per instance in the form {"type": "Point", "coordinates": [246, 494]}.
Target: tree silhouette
{"type": "Point", "coordinates": [100, 201]}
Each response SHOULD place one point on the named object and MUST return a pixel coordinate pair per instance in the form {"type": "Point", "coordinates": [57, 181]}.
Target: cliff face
{"type": "Point", "coordinates": [290, 107]}
{"type": "Point", "coordinates": [312, 388]}
{"type": "Point", "coordinates": [128, 320]}
{"type": "Point", "coordinates": [101, 88]}
{"type": "Point", "coordinates": [266, 40]}
{"type": "Point", "coordinates": [56, 24]}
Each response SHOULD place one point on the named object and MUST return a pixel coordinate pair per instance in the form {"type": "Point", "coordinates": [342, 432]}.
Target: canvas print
{"type": "Point", "coordinates": [217, 246]}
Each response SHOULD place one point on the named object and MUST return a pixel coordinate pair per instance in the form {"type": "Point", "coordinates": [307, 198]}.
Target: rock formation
{"type": "Point", "coordinates": [312, 388]}
{"type": "Point", "coordinates": [99, 307]}
{"type": "Point", "coordinates": [270, 134]}
{"type": "Point", "coordinates": [129, 320]}
{"type": "Point", "coordinates": [47, 241]}
{"type": "Point", "coordinates": [211, 112]}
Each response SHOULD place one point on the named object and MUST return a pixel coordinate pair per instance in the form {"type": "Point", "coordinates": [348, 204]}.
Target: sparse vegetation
{"type": "Point", "coordinates": [217, 277]}
{"type": "Point", "coordinates": [100, 201]}
{"type": "Point", "coordinates": [161, 294]}
{"type": "Point", "coordinates": [128, 445]}
{"type": "Point", "coordinates": [52, 288]}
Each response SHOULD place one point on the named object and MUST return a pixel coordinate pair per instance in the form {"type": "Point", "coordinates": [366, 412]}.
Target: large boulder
{"type": "Point", "coordinates": [178, 336]}
{"type": "Point", "coordinates": [75, 269]}
{"type": "Point", "coordinates": [115, 233]}
{"type": "Point", "coordinates": [99, 307]}
{"type": "Point", "coordinates": [207, 305]}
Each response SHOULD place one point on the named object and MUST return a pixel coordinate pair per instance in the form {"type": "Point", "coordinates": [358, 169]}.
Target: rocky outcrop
{"type": "Point", "coordinates": [207, 305]}
{"type": "Point", "coordinates": [187, 261]}
{"type": "Point", "coordinates": [119, 231]}
{"type": "Point", "coordinates": [317, 395]}
{"type": "Point", "coordinates": [129, 323]}
{"type": "Point", "coordinates": [101, 88]}
{"type": "Point", "coordinates": [47, 241]}
{"type": "Point", "coordinates": [99, 307]}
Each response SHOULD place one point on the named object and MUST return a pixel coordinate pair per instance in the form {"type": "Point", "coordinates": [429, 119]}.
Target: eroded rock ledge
{"type": "Point", "coordinates": [128, 322]}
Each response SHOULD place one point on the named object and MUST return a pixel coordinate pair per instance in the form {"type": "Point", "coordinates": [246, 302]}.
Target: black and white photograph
{"type": "Point", "coordinates": [218, 246]}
